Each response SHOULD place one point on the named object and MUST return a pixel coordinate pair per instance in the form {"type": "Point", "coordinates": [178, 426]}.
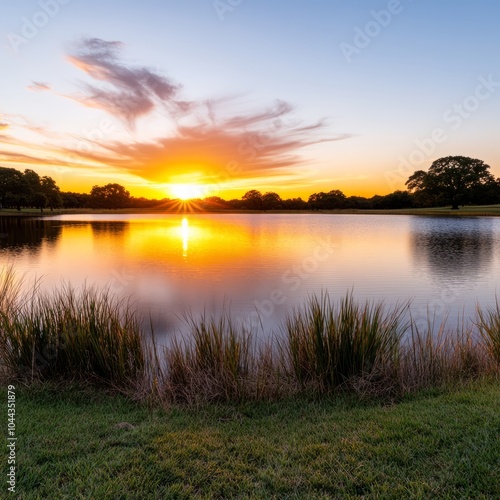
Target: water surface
{"type": "Point", "coordinates": [263, 263]}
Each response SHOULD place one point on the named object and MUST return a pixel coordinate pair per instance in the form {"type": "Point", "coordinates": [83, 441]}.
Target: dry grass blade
{"type": "Point", "coordinates": [489, 328]}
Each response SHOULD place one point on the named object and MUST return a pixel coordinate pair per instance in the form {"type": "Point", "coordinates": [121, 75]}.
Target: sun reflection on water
{"type": "Point", "coordinates": [185, 236]}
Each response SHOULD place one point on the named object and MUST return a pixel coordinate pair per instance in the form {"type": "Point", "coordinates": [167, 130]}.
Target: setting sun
{"type": "Point", "coordinates": [186, 191]}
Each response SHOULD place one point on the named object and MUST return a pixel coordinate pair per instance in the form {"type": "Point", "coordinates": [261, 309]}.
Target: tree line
{"type": "Point", "coordinates": [28, 189]}
{"type": "Point", "coordinates": [452, 180]}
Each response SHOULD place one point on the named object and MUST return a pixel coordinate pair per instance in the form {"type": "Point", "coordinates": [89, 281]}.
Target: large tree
{"type": "Point", "coordinates": [327, 201]}
{"type": "Point", "coordinates": [14, 189]}
{"type": "Point", "coordinates": [253, 200]}
{"type": "Point", "coordinates": [271, 201]}
{"type": "Point", "coordinates": [51, 191]}
{"type": "Point", "coordinates": [456, 180]}
{"type": "Point", "coordinates": [41, 191]}
{"type": "Point", "coordinates": [110, 196]}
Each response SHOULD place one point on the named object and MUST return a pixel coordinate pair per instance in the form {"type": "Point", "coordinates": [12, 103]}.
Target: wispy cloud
{"type": "Point", "coordinates": [39, 87]}
{"type": "Point", "coordinates": [252, 144]}
{"type": "Point", "coordinates": [125, 91]}
{"type": "Point", "coordinates": [3, 125]}
{"type": "Point", "coordinates": [13, 157]}
{"type": "Point", "coordinates": [18, 122]}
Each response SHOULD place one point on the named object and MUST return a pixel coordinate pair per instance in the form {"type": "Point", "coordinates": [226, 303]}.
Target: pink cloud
{"type": "Point", "coordinates": [39, 87]}
{"type": "Point", "coordinates": [252, 144]}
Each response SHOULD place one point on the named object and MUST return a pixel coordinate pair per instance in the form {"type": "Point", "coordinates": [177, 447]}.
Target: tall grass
{"type": "Point", "coordinates": [218, 360]}
{"type": "Point", "coordinates": [489, 328]}
{"type": "Point", "coordinates": [89, 335]}
{"type": "Point", "coordinates": [10, 290]}
{"type": "Point", "coordinates": [68, 334]}
{"type": "Point", "coordinates": [433, 357]}
{"type": "Point", "coordinates": [328, 344]}
{"type": "Point", "coordinates": [214, 363]}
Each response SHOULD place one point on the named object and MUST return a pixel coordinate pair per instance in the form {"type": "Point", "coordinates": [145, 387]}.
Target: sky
{"type": "Point", "coordinates": [216, 97]}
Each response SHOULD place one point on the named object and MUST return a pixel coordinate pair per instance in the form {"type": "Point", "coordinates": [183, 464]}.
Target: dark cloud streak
{"type": "Point", "coordinates": [127, 91]}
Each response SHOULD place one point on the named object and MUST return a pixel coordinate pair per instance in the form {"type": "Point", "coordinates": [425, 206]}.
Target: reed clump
{"type": "Point", "coordinates": [85, 335]}
{"type": "Point", "coordinates": [214, 362]}
{"type": "Point", "coordinates": [433, 357]}
{"type": "Point", "coordinates": [327, 344]}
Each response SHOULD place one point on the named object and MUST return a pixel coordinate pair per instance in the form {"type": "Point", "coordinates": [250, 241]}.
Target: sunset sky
{"type": "Point", "coordinates": [219, 97]}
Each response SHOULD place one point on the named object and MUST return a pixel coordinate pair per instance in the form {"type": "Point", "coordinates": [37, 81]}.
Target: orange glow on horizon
{"type": "Point", "coordinates": [186, 191]}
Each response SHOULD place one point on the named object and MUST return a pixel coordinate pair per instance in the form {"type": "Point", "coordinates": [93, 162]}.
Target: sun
{"type": "Point", "coordinates": [186, 191]}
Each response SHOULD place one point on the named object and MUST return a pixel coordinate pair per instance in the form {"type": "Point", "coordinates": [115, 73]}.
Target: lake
{"type": "Point", "coordinates": [263, 265]}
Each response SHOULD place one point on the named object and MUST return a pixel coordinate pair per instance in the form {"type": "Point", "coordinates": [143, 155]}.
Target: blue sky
{"type": "Point", "coordinates": [365, 92]}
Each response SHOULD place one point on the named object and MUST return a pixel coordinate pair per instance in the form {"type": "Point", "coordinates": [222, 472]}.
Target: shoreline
{"type": "Point", "coordinates": [472, 211]}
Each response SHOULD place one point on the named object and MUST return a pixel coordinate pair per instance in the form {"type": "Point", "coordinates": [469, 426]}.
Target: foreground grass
{"type": "Point", "coordinates": [440, 444]}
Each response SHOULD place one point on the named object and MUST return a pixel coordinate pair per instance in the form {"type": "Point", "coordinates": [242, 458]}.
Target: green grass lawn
{"type": "Point", "coordinates": [434, 445]}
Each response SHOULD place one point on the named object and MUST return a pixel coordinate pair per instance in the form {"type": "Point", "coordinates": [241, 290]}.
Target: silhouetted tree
{"type": "Point", "coordinates": [358, 202]}
{"type": "Point", "coordinates": [75, 200]}
{"type": "Point", "coordinates": [214, 203]}
{"type": "Point", "coordinates": [110, 196]}
{"type": "Point", "coordinates": [398, 199]}
{"type": "Point", "coordinates": [252, 200]}
{"type": "Point", "coordinates": [294, 204]}
{"type": "Point", "coordinates": [145, 203]}
{"type": "Point", "coordinates": [33, 196]}
{"type": "Point", "coordinates": [51, 191]}
{"type": "Point", "coordinates": [39, 200]}
{"type": "Point", "coordinates": [14, 188]}
{"type": "Point", "coordinates": [332, 200]}
{"type": "Point", "coordinates": [235, 204]}
{"type": "Point", "coordinates": [456, 180]}
{"type": "Point", "coordinates": [487, 194]}
{"type": "Point", "coordinates": [70, 200]}
{"type": "Point", "coordinates": [271, 201]}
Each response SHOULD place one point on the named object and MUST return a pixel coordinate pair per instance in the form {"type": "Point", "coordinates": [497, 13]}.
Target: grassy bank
{"type": "Point", "coordinates": [469, 211]}
{"type": "Point", "coordinates": [353, 401]}
{"type": "Point", "coordinates": [439, 444]}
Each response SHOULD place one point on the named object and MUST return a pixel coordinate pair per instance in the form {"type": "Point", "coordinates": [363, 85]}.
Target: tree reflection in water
{"type": "Point", "coordinates": [452, 249]}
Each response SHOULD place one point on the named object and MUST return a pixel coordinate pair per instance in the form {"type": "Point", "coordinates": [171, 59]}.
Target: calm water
{"type": "Point", "coordinates": [266, 263]}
